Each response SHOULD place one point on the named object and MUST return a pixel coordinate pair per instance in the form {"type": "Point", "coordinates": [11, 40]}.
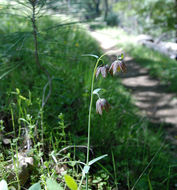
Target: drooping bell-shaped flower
{"type": "Point", "coordinates": [101, 105]}
{"type": "Point", "coordinates": [103, 70]}
{"type": "Point", "coordinates": [117, 66]}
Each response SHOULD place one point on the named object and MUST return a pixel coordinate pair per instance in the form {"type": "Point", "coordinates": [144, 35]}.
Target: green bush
{"type": "Point", "coordinates": [112, 19]}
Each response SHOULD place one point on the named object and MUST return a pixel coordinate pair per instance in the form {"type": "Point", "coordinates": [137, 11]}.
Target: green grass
{"type": "Point", "coordinates": [120, 132]}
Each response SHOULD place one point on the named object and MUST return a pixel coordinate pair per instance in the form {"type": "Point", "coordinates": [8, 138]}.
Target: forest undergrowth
{"type": "Point", "coordinates": [53, 138]}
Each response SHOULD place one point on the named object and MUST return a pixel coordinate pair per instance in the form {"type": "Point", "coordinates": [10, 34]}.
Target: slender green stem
{"type": "Point", "coordinates": [86, 181]}
{"type": "Point", "coordinates": [81, 182]}
{"type": "Point", "coordinates": [13, 124]}
{"type": "Point", "coordinates": [90, 110]}
{"type": "Point", "coordinates": [89, 118]}
{"type": "Point", "coordinates": [42, 129]}
{"type": "Point", "coordinates": [16, 165]}
{"type": "Point", "coordinates": [20, 115]}
{"type": "Point", "coordinates": [115, 172]}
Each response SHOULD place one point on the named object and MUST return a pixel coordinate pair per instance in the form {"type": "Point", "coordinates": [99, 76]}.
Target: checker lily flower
{"type": "Point", "coordinates": [117, 66]}
{"type": "Point", "coordinates": [101, 105]}
{"type": "Point", "coordinates": [103, 70]}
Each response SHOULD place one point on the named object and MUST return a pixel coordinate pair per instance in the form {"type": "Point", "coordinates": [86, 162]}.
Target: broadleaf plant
{"type": "Point", "coordinates": [3, 185]}
{"type": "Point", "coordinates": [35, 186]}
{"type": "Point", "coordinates": [70, 182]}
{"type": "Point", "coordinates": [51, 185]}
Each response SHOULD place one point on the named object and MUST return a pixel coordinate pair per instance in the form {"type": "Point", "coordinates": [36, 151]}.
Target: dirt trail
{"type": "Point", "coordinates": [148, 93]}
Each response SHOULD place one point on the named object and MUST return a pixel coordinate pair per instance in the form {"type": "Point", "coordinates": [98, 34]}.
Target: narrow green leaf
{"type": "Point", "coordinates": [91, 55]}
{"type": "Point", "coordinates": [35, 186]}
{"type": "Point", "coordinates": [96, 159]}
{"type": "Point", "coordinates": [3, 185]}
{"type": "Point", "coordinates": [53, 185]}
{"type": "Point", "coordinates": [6, 73]}
{"type": "Point", "coordinates": [149, 182]}
{"type": "Point", "coordinates": [70, 182]}
{"type": "Point", "coordinates": [96, 90]}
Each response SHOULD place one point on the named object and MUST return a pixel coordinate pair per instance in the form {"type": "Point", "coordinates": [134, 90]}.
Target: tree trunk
{"type": "Point", "coordinates": [97, 7]}
{"type": "Point", "coordinates": [106, 9]}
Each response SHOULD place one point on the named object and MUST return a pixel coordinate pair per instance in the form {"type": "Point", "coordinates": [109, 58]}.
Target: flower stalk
{"type": "Point", "coordinates": [90, 111]}
{"type": "Point", "coordinates": [101, 103]}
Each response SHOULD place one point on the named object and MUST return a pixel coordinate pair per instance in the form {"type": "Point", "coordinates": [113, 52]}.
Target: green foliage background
{"type": "Point", "coordinates": [121, 132]}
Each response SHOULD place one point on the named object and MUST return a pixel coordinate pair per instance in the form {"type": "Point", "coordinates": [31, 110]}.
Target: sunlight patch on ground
{"type": "Point", "coordinates": [118, 33]}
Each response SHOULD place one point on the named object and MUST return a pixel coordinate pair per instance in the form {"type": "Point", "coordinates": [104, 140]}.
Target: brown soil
{"type": "Point", "coordinates": [149, 95]}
